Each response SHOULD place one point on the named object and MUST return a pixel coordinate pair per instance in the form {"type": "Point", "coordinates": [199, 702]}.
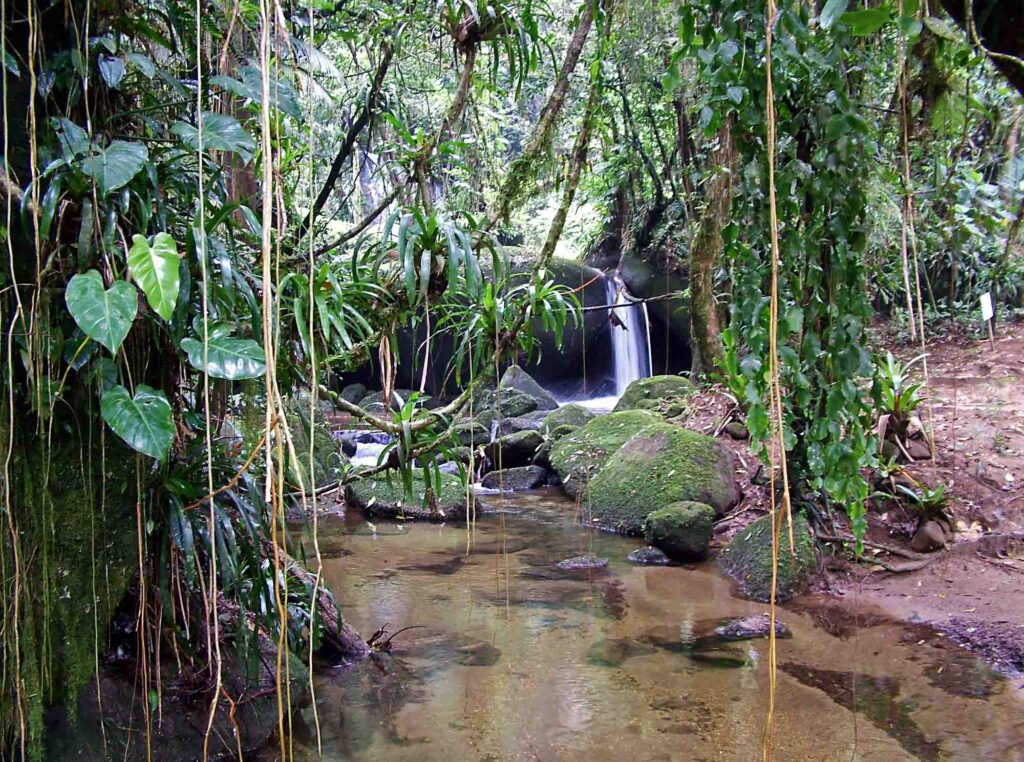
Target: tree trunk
{"type": "Point", "coordinates": [705, 331]}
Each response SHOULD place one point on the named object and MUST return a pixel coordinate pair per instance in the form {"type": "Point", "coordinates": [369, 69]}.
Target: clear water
{"type": "Point", "coordinates": [514, 659]}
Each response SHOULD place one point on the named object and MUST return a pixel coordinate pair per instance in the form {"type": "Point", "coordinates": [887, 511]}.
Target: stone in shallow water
{"type": "Point", "coordinates": [648, 556]}
{"type": "Point", "coordinates": [750, 628]}
{"type": "Point", "coordinates": [583, 562]}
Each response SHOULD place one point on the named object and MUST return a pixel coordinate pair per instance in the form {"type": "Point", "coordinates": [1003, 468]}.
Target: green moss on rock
{"type": "Point", "coordinates": [654, 393]}
{"type": "Point", "coordinates": [682, 530]}
{"type": "Point", "coordinates": [387, 497]}
{"type": "Point", "coordinates": [578, 456]}
{"type": "Point", "coordinates": [661, 465]}
{"type": "Point", "coordinates": [748, 559]}
{"type": "Point", "coordinates": [566, 415]}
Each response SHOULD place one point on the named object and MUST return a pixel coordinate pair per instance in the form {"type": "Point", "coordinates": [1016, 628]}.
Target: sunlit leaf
{"type": "Point", "coordinates": [225, 357]}
{"type": "Point", "coordinates": [155, 269]}
{"type": "Point", "coordinates": [831, 12]}
{"type": "Point", "coordinates": [221, 132]}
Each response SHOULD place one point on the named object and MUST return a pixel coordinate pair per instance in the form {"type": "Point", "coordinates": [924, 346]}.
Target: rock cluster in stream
{"type": "Point", "coordinates": [635, 471]}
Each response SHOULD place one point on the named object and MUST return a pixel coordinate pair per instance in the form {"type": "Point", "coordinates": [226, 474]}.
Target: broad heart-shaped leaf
{"type": "Point", "coordinates": [155, 269]}
{"type": "Point", "coordinates": [228, 358]}
{"type": "Point", "coordinates": [143, 421]}
{"type": "Point", "coordinates": [112, 70]}
{"type": "Point", "coordinates": [115, 166]}
{"type": "Point", "coordinates": [104, 315]}
{"type": "Point", "coordinates": [221, 132]}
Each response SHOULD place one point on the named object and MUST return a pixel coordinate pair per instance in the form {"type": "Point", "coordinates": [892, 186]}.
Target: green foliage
{"type": "Point", "coordinates": [143, 421]}
{"type": "Point", "coordinates": [224, 357]}
{"type": "Point", "coordinates": [897, 395]}
{"type": "Point", "coordinates": [155, 269]}
{"type": "Point", "coordinates": [824, 151]}
{"type": "Point", "coordinates": [104, 315]}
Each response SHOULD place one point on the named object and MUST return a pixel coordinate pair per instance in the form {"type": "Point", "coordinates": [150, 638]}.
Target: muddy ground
{"type": "Point", "coordinates": [972, 592]}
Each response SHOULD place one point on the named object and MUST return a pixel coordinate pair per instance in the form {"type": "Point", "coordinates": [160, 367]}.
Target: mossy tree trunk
{"type": "Point", "coordinates": [705, 329]}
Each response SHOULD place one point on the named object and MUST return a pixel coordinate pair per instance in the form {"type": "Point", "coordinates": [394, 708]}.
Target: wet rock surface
{"type": "Point", "coordinates": [515, 479]}
{"type": "Point", "coordinates": [577, 563]}
{"type": "Point", "coordinates": [750, 628]}
{"type": "Point", "coordinates": [648, 556]}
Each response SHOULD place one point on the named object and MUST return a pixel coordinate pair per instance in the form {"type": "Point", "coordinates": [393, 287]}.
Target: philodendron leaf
{"type": "Point", "coordinates": [104, 315]}
{"type": "Point", "coordinates": [143, 421]}
{"type": "Point", "coordinates": [115, 166]}
{"type": "Point", "coordinates": [228, 358]}
{"type": "Point", "coordinates": [221, 132]}
{"type": "Point", "coordinates": [155, 269]}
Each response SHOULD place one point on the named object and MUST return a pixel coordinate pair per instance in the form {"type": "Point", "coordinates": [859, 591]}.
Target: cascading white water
{"type": "Point", "coordinates": [631, 355]}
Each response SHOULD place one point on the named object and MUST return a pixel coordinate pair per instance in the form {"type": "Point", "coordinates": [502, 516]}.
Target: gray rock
{"type": "Point", "coordinates": [930, 536]}
{"type": "Point", "coordinates": [583, 562]}
{"type": "Point", "coordinates": [648, 556]}
{"type": "Point", "coordinates": [736, 430]}
{"type": "Point", "coordinates": [472, 434]}
{"type": "Point", "coordinates": [517, 378]}
{"type": "Point", "coordinates": [353, 393]}
{"type": "Point", "coordinates": [750, 628]}
{"type": "Point", "coordinates": [516, 479]}
{"type": "Point", "coordinates": [567, 415]}
{"type": "Point", "coordinates": [515, 450]}
{"type": "Point", "coordinates": [508, 426]}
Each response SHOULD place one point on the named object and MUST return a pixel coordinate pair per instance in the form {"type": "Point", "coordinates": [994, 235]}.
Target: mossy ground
{"type": "Point", "coordinates": [576, 457]}
{"type": "Point", "coordinates": [748, 558]}
{"type": "Point", "coordinates": [662, 464]}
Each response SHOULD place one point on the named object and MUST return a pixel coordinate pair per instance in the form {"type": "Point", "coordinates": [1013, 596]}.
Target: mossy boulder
{"type": "Point", "coordinates": [661, 465]}
{"type": "Point", "coordinates": [578, 456]}
{"type": "Point", "coordinates": [471, 434]}
{"type": "Point", "coordinates": [748, 559]}
{"type": "Point", "coordinates": [566, 415]}
{"type": "Point", "coordinates": [514, 450]}
{"type": "Point", "coordinates": [491, 405]}
{"type": "Point", "coordinates": [515, 479]}
{"type": "Point", "coordinates": [543, 456]}
{"type": "Point", "coordinates": [682, 530]}
{"type": "Point", "coordinates": [329, 459]}
{"type": "Point", "coordinates": [387, 497]}
{"type": "Point", "coordinates": [654, 393]}
{"type": "Point", "coordinates": [517, 378]}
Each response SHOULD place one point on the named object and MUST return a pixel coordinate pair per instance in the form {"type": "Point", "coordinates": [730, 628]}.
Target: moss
{"type": "Point", "coordinates": [682, 530]}
{"type": "Point", "coordinates": [579, 455]}
{"type": "Point", "coordinates": [388, 497]}
{"type": "Point", "coordinates": [77, 550]}
{"type": "Point", "coordinates": [566, 415]}
{"type": "Point", "coordinates": [748, 558]}
{"type": "Point", "coordinates": [328, 459]}
{"type": "Point", "coordinates": [655, 393]}
{"type": "Point", "coordinates": [663, 464]}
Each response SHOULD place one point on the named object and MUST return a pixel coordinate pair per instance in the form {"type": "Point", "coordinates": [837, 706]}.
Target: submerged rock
{"type": "Point", "coordinates": [661, 465]}
{"type": "Point", "coordinates": [518, 379]}
{"type": "Point", "coordinates": [750, 628]}
{"type": "Point", "coordinates": [388, 498]}
{"type": "Point", "coordinates": [514, 450]}
{"type": "Point", "coordinates": [654, 392]}
{"type": "Point", "coordinates": [577, 563]}
{"type": "Point", "coordinates": [515, 479]}
{"type": "Point", "coordinates": [578, 456]}
{"type": "Point", "coordinates": [648, 556]}
{"type": "Point", "coordinates": [683, 530]}
{"type": "Point", "coordinates": [570, 414]}
{"type": "Point", "coordinates": [748, 559]}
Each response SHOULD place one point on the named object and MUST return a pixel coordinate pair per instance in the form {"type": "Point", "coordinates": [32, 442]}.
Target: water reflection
{"type": "Point", "coordinates": [514, 658]}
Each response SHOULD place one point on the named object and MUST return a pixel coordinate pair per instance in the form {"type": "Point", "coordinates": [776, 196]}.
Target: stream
{"type": "Point", "coordinates": [515, 658]}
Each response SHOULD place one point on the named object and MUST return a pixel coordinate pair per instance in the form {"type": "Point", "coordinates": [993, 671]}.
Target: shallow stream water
{"type": "Point", "coordinates": [513, 658]}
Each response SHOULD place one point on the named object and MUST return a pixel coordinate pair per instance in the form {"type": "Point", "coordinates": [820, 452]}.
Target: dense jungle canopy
{"type": "Point", "coordinates": [221, 216]}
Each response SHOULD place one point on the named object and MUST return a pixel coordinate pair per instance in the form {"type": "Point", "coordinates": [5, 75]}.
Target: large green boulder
{"type": "Point", "coordinates": [387, 497]}
{"type": "Point", "coordinates": [655, 393]}
{"type": "Point", "coordinates": [661, 465]}
{"type": "Point", "coordinates": [566, 415]}
{"type": "Point", "coordinates": [328, 459]}
{"type": "Point", "coordinates": [748, 559]}
{"type": "Point", "coordinates": [491, 405]}
{"type": "Point", "coordinates": [578, 456]}
{"type": "Point", "coordinates": [682, 530]}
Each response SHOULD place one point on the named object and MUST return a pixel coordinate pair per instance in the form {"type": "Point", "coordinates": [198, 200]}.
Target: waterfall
{"type": "Point", "coordinates": [630, 329]}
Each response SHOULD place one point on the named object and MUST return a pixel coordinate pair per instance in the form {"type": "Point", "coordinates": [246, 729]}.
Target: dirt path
{"type": "Point", "coordinates": [975, 591]}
